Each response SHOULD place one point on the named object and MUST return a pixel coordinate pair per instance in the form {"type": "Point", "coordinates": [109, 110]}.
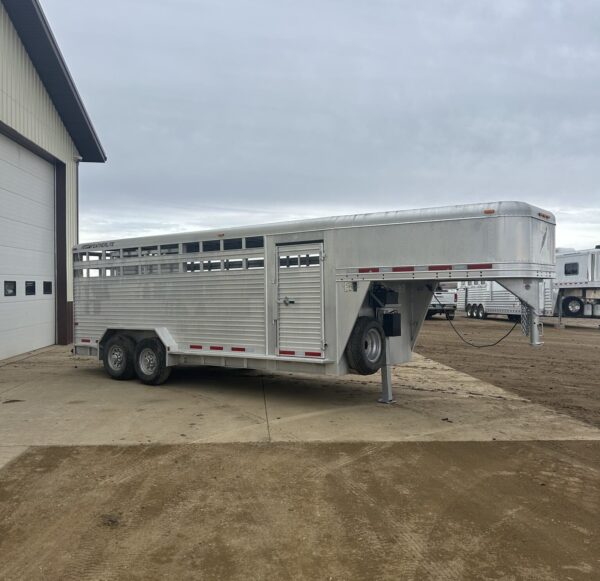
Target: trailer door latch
{"type": "Point", "coordinates": [286, 301]}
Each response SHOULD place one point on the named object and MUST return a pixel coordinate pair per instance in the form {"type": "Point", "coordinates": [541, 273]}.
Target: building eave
{"type": "Point", "coordinates": [41, 46]}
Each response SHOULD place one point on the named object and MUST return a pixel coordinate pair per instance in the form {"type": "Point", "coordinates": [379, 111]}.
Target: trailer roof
{"type": "Point", "coordinates": [460, 212]}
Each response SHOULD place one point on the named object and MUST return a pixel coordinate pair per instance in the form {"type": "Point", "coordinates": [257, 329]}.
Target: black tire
{"type": "Point", "coordinates": [366, 347]}
{"type": "Point", "coordinates": [572, 307]}
{"type": "Point", "coordinates": [450, 315]}
{"type": "Point", "coordinates": [151, 362]}
{"type": "Point", "coordinates": [481, 314]}
{"type": "Point", "coordinates": [429, 315]}
{"type": "Point", "coordinates": [514, 318]}
{"type": "Point", "coordinates": [117, 357]}
{"type": "Point", "coordinates": [470, 311]}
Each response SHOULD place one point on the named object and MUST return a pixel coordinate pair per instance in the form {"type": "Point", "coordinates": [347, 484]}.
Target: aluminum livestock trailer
{"type": "Point", "coordinates": [480, 298]}
{"type": "Point", "coordinates": [323, 296]}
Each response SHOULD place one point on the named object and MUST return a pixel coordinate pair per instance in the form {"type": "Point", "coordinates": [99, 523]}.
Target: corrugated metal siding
{"type": "Point", "coordinates": [300, 324]}
{"type": "Point", "coordinates": [26, 107]}
{"type": "Point", "coordinates": [224, 308]}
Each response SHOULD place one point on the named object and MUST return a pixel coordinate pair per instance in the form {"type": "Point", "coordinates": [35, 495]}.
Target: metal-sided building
{"type": "Point", "coordinates": [45, 132]}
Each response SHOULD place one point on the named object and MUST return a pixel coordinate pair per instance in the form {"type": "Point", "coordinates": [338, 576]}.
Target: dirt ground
{"type": "Point", "coordinates": [478, 483]}
{"type": "Point", "coordinates": [563, 374]}
{"type": "Point", "coordinates": [429, 510]}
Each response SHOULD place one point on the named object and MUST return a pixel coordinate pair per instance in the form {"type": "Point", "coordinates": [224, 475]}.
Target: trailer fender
{"type": "Point", "coordinates": [139, 333]}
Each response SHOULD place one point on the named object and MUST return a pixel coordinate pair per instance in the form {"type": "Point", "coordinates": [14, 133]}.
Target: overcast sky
{"type": "Point", "coordinates": [217, 113]}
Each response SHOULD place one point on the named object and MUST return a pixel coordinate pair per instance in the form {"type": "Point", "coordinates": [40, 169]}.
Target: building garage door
{"type": "Point", "coordinates": [27, 280]}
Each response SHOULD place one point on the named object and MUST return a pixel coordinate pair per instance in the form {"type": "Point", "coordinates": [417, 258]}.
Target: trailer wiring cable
{"type": "Point", "coordinates": [475, 344]}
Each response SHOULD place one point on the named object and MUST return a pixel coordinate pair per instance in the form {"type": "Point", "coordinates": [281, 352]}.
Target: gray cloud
{"type": "Point", "coordinates": [215, 113]}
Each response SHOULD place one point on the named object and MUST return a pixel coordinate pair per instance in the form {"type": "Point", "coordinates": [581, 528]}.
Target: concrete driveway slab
{"type": "Point", "coordinates": [54, 399]}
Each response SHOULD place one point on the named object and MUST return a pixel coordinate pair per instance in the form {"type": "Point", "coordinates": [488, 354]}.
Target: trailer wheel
{"type": "Point", "coordinates": [572, 307]}
{"type": "Point", "coordinates": [365, 349]}
{"type": "Point", "coordinates": [118, 357]}
{"type": "Point", "coordinates": [481, 314]}
{"type": "Point", "coordinates": [470, 311]}
{"type": "Point", "coordinates": [150, 362]}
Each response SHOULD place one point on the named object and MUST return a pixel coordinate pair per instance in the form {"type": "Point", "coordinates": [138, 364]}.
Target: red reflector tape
{"type": "Point", "coordinates": [440, 267]}
{"type": "Point", "coordinates": [195, 346]}
{"type": "Point", "coordinates": [86, 340]}
{"type": "Point", "coordinates": [283, 352]}
{"type": "Point", "coordinates": [216, 348]}
{"type": "Point", "coordinates": [482, 266]}
{"type": "Point", "coordinates": [242, 349]}
{"type": "Point", "coordinates": [364, 270]}
{"type": "Point", "coordinates": [312, 354]}
{"type": "Point", "coordinates": [403, 269]}
{"type": "Point", "coordinates": [490, 211]}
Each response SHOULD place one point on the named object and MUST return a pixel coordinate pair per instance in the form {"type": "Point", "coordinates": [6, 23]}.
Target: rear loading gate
{"type": "Point", "coordinates": [299, 310]}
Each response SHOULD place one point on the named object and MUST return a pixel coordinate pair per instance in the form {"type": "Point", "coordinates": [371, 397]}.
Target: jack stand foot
{"type": "Point", "coordinates": [386, 402]}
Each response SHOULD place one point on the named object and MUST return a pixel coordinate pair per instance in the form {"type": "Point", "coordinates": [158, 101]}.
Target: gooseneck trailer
{"type": "Point", "coordinates": [323, 296]}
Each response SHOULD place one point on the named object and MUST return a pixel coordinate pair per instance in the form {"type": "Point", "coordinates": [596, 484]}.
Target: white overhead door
{"type": "Point", "coordinates": [27, 280]}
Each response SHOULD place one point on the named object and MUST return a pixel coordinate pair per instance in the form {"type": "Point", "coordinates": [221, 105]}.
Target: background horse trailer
{"type": "Point", "coordinates": [324, 296]}
{"type": "Point", "coordinates": [578, 282]}
{"type": "Point", "coordinates": [480, 298]}
{"type": "Point", "coordinates": [576, 290]}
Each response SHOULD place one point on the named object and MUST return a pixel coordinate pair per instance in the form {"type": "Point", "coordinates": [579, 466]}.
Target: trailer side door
{"type": "Point", "coordinates": [300, 309]}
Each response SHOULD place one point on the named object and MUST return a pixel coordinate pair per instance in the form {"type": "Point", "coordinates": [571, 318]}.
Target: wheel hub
{"type": "Point", "coordinates": [372, 345]}
{"type": "Point", "coordinates": [116, 357]}
{"type": "Point", "coordinates": [148, 361]}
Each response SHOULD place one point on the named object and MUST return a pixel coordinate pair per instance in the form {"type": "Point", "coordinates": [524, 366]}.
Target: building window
{"type": "Point", "coordinates": [47, 287]}
{"type": "Point", "coordinates": [30, 287]}
{"type": "Point", "coordinates": [571, 268]}
{"type": "Point", "coordinates": [10, 288]}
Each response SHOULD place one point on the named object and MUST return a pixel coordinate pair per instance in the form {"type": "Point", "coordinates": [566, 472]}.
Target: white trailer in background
{"type": "Point", "coordinates": [575, 290]}
{"type": "Point", "coordinates": [578, 282]}
{"type": "Point", "coordinates": [323, 296]}
{"type": "Point", "coordinates": [480, 298]}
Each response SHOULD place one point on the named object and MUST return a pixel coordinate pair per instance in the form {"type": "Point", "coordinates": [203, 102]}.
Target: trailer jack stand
{"type": "Point", "coordinates": [387, 396]}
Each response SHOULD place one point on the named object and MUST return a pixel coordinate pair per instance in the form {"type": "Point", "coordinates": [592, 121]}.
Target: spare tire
{"type": "Point", "coordinates": [365, 350]}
